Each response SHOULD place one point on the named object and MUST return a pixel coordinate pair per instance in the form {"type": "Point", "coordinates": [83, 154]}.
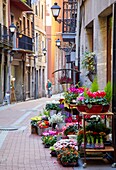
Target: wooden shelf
{"type": "Point", "coordinates": [106, 149]}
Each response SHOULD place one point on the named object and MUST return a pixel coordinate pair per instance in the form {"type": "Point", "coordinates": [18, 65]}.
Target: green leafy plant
{"type": "Point", "coordinates": [49, 140]}
{"type": "Point", "coordinates": [94, 86]}
{"type": "Point", "coordinates": [108, 90]}
{"type": "Point", "coordinates": [69, 97]}
{"type": "Point", "coordinates": [46, 112]}
{"type": "Point", "coordinates": [52, 106]}
{"type": "Point", "coordinates": [71, 129]}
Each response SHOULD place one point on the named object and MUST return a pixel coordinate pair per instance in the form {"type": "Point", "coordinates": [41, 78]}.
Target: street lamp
{"type": "Point", "coordinates": [66, 49]}
{"type": "Point", "coordinates": [55, 11]}
{"type": "Point", "coordinates": [44, 51]}
{"type": "Point", "coordinates": [12, 28]}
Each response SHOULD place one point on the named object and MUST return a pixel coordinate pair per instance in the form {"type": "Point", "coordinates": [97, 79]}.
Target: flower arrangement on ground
{"type": "Point", "coordinates": [71, 129]}
{"type": "Point", "coordinates": [53, 106]}
{"type": "Point", "coordinates": [49, 140]}
{"type": "Point", "coordinates": [56, 118]}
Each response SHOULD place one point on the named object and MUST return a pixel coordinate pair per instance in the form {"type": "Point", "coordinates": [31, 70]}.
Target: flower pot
{"type": "Point", "coordinates": [94, 109]}
{"type": "Point", "coordinates": [105, 108]}
{"type": "Point", "coordinates": [71, 164]}
{"type": "Point", "coordinates": [81, 108]}
{"type": "Point", "coordinates": [54, 125]}
{"type": "Point", "coordinates": [60, 125]}
{"type": "Point", "coordinates": [34, 129]}
{"type": "Point", "coordinates": [53, 153]}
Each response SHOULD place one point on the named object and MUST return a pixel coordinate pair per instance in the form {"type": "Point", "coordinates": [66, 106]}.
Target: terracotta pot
{"type": "Point", "coordinates": [94, 109]}
{"type": "Point", "coordinates": [105, 108]}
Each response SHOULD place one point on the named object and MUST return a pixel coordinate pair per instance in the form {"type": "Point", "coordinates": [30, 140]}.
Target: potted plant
{"type": "Point", "coordinates": [65, 81]}
{"type": "Point", "coordinates": [80, 102]}
{"type": "Point", "coordinates": [89, 63]}
{"type": "Point", "coordinates": [53, 107]}
{"type": "Point", "coordinates": [68, 156]}
{"type": "Point", "coordinates": [108, 96]}
{"type": "Point", "coordinates": [49, 141]}
{"type": "Point", "coordinates": [94, 101]}
{"type": "Point", "coordinates": [71, 130]}
{"type": "Point", "coordinates": [56, 119]}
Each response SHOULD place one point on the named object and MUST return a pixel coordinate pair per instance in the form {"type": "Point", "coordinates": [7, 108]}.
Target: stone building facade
{"type": "Point", "coordinates": [22, 62]}
{"type": "Point", "coordinates": [96, 35]}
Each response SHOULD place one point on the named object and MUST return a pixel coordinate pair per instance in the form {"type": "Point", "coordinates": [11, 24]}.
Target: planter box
{"type": "Point", "coordinates": [34, 129]}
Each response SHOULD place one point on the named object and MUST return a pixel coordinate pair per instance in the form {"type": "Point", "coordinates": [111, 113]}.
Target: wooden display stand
{"type": "Point", "coordinates": [106, 149]}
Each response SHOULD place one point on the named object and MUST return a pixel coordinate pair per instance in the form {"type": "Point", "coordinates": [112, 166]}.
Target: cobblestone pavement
{"type": "Point", "coordinates": [19, 149]}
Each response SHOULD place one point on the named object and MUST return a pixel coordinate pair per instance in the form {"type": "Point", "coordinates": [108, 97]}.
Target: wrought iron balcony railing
{"type": "Point", "coordinates": [5, 38]}
{"type": "Point", "coordinates": [69, 16]}
{"type": "Point", "coordinates": [25, 43]}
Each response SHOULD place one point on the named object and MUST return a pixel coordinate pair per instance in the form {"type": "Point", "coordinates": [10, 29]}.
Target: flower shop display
{"type": "Point", "coordinates": [53, 107]}
{"type": "Point", "coordinates": [72, 94]}
{"type": "Point", "coordinates": [49, 140]}
{"type": "Point", "coordinates": [67, 152]}
{"type": "Point", "coordinates": [94, 101]}
{"type": "Point", "coordinates": [34, 121]}
{"type": "Point", "coordinates": [96, 133]}
{"type": "Point", "coordinates": [57, 119]}
{"type": "Point", "coordinates": [71, 129]}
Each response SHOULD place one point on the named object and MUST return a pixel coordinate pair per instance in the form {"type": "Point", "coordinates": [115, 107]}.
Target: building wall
{"type": "Point", "coordinates": [94, 37]}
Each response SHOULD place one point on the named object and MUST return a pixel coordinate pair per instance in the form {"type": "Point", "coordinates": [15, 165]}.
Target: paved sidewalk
{"type": "Point", "coordinates": [19, 149]}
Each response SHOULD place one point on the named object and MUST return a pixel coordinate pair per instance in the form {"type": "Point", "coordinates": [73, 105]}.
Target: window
{"type": "Point", "coordinates": [36, 10]}
{"type": "Point", "coordinates": [24, 28]}
{"type": "Point", "coordinates": [42, 12]}
{"type": "Point", "coordinates": [4, 14]}
{"type": "Point", "coordinates": [36, 42]}
{"type": "Point", "coordinates": [28, 27]}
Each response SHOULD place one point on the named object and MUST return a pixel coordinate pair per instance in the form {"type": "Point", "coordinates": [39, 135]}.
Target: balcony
{"type": "Point", "coordinates": [69, 20]}
{"type": "Point", "coordinates": [21, 5]}
{"type": "Point", "coordinates": [5, 39]}
{"type": "Point", "coordinates": [25, 43]}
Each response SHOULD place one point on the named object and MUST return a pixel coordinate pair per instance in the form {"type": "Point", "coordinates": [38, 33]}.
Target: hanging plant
{"type": "Point", "coordinates": [89, 63]}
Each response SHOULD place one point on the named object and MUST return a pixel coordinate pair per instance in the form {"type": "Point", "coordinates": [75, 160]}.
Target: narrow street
{"type": "Point", "coordinates": [21, 150]}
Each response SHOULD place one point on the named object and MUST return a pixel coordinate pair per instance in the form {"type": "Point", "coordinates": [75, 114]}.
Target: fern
{"type": "Point", "coordinates": [94, 86]}
{"type": "Point", "coordinates": [108, 90]}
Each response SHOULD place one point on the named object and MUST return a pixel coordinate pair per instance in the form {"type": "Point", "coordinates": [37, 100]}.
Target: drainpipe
{"type": "Point", "coordinates": [77, 39]}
